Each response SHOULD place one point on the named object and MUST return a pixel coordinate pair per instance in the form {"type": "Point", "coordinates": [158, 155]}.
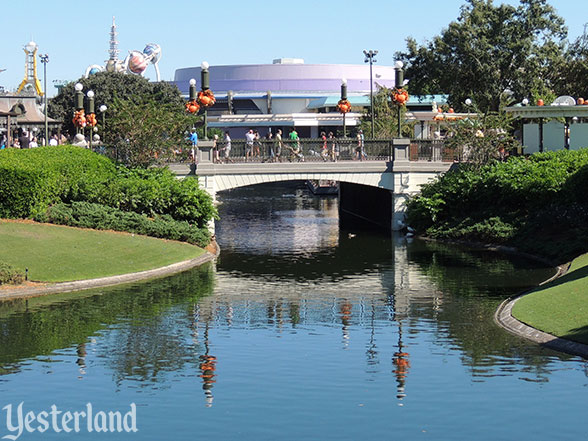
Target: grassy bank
{"type": "Point", "coordinates": [56, 254]}
{"type": "Point", "coordinates": [560, 307]}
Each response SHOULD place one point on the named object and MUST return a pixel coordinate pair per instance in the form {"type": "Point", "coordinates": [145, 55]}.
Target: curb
{"type": "Point", "coordinates": [79, 285]}
{"type": "Point", "coordinates": [504, 318]}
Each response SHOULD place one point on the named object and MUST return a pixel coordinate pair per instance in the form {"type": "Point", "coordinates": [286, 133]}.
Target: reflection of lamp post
{"type": "Point", "coordinates": [369, 57]}
{"type": "Point", "coordinates": [398, 82]}
{"type": "Point", "coordinates": [45, 59]}
{"type": "Point", "coordinates": [204, 77]}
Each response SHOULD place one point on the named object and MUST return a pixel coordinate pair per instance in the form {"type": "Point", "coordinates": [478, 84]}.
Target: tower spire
{"type": "Point", "coordinates": [113, 51]}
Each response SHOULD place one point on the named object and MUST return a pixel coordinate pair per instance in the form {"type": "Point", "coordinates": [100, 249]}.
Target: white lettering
{"type": "Point", "coordinates": [9, 425]}
{"type": "Point", "coordinates": [77, 416]}
{"type": "Point", "coordinates": [65, 419]}
{"type": "Point", "coordinates": [42, 420]}
{"type": "Point", "coordinates": [54, 412]}
{"type": "Point", "coordinates": [29, 418]}
{"type": "Point", "coordinates": [133, 415]}
{"type": "Point", "coordinates": [100, 422]}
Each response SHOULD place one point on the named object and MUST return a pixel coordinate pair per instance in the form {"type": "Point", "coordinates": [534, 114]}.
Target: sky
{"type": "Point", "coordinates": [75, 34]}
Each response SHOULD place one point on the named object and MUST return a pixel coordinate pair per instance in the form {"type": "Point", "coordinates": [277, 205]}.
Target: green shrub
{"type": "Point", "coordinates": [100, 217]}
{"type": "Point", "coordinates": [31, 180]}
{"type": "Point", "coordinates": [512, 202]}
{"type": "Point", "coordinates": [9, 275]}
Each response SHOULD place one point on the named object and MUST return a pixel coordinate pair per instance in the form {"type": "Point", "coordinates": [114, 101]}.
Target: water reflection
{"type": "Point", "coordinates": [297, 321]}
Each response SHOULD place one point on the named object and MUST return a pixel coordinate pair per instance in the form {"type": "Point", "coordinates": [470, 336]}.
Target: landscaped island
{"type": "Point", "coordinates": [75, 187]}
{"type": "Point", "coordinates": [538, 205]}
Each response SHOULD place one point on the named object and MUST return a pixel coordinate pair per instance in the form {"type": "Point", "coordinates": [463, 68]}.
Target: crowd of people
{"type": "Point", "coordinates": [24, 139]}
{"type": "Point", "coordinates": [277, 148]}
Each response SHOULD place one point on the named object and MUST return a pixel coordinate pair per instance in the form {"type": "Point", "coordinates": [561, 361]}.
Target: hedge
{"type": "Point", "coordinates": [31, 180]}
{"type": "Point", "coordinates": [508, 202]}
{"type": "Point", "coordinates": [100, 217]}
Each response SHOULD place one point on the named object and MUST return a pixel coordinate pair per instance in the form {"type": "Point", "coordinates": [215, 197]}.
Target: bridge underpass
{"type": "Point", "coordinates": [373, 191]}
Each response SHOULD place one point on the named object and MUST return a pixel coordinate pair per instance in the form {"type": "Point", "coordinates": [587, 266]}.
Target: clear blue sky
{"type": "Point", "coordinates": [75, 34]}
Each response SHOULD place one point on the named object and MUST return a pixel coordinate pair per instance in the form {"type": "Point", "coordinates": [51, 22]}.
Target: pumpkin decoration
{"type": "Point", "coordinates": [192, 106]}
{"type": "Point", "coordinates": [91, 120]}
{"type": "Point", "coordinates": [540, 102]}
{"type": "Point", "coordinates": [400, 96]}
{"type": "Point", "coordinates": [79, 119]}
{"type": "Point", "coordinates": [451, 110]}
{"type": "Point", "coordinates": [580, 101]}
{"type": "Point", "coordinates": [343, 106]}
{"type": "Point", "coordinates": [206, 98]}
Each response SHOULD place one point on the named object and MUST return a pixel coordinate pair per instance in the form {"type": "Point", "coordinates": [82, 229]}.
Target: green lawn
{"type": "Point", "coordinates": [55, 253]}
{"type": "Point", "coordinates": [560, 307]}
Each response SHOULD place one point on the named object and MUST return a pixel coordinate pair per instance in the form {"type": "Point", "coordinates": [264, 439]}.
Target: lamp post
{"type": "Point", "coordinates": [369, 57]}
{"type": "Point", "coordinates": [103, 110]}
{"type": "Point", "coordinates": [79, 106]}
{"type": "Point", "coordinates": [45, 59]}
{"type": "Point", "coordinates": [205, 80]}
{"type": "Point", "coordinates": [344, 98]}
{"type": "Point", "coordinates": [398, 82]}
{"type": "Point", "coordinates": [90, 113]}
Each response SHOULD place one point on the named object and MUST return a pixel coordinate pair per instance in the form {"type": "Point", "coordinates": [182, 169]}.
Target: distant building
{"type": "Point", "coordinates": [289, 93]}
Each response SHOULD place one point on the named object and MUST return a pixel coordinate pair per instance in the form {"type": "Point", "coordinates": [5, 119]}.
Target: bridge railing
{"type": "Point", "coordinates": [343, 149]}
{"type": "Point", "coordinates": [315, 150]}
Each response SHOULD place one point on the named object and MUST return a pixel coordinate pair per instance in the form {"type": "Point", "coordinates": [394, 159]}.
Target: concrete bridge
{"type": "Point", "coordinates": [374, 191]}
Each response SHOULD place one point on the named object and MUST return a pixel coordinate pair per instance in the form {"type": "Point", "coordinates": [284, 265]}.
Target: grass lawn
{"type": "Point", "coordinates": [55, 253]}
{"type": "Point", "coordinates": [560, 307]}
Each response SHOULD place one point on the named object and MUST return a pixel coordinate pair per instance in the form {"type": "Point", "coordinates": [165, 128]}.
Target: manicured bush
{"type": "Point", "coordinates": [502, 202]}
{"type": "Point", "coordinates": [100, 217]}
{"type": "Point", "coordinates": [31, 180]}
{"type": "Point", "coordinates": [9, 275]}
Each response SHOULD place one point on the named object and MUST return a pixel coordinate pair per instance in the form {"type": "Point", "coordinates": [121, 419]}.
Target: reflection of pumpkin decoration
{"type": "Point", "coordinates": [207, 368]}
{"type": "Point", "coordinates": [206, 98]}
{"type": "Point", "coordinates": [79, 119]}
{"type": "Point", "coordinates": [402, 364]}
{"type": "Point", "coordinates": [400, 96]}
{"type": "Point", "coordinates": [580, 101]}
{"type": "Point", "coordinates": [192, 106]}
{"type": "Point", "coordinates": [91, 120]}
{"type": "Point", "coordinates": [343, 106]}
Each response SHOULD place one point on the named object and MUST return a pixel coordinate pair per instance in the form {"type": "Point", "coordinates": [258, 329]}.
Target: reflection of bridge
{"type": "Point", "coordinates": [366, 186]}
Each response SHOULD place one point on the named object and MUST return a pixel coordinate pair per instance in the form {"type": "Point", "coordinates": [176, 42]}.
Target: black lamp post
{"type": "Point", "coordinates": [344, 97]}
{"type": "Point", "coordinates": [398, 82]}
{"type": "Point", "coordinates": [45, 59]}
{"type": "Point", "coordinates": [369, 57]}
{"type": "Point", "coordinates": [79, 102]}
{"type": "Point", "coordinates": [90, 112]}
{"type": "Point", "coordinates": [205, 86]}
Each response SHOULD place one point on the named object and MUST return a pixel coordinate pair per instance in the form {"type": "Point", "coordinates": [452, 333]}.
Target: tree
{"type": "Point", "coordinates": [491, 54]}
{"type": "Point", "coordinates": [573, 71]}
{"type": "Point", "coordinates": [145, 131]}
{"type": "Point", "coordinates": [149, 117]}
{"type": "Point", "coordinates": [481, 139]}
{"type": "Point", "coordinates": [386, 117]}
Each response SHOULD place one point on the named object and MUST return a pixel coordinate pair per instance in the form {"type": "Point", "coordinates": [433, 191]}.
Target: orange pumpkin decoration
{"type": "Point", "coordinates": [206, 98]}
{"type": "Point", "coordinates": [79, 119]}
{"type": "Point", "coordinates": [343, 106]}
{"type": "Point", "coordinates": [580, 101]}
{"type": "Point", "coordinates": [540, 102]}
{"type": "Point", "coordinates": [192, 106]}
{"type": "Point", "coordinates": [400, 96]}
{"type": "Point", "coordinates": [451, 110]}
{"type": "Point", "coordinates": [91, 120]}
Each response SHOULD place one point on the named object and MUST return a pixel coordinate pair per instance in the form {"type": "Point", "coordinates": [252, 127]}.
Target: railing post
{"type": "Point", "coordinates": [401, 149]}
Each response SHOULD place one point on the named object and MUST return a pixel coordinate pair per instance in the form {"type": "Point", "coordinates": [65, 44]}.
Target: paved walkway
{"type": "Point", "coordinates": [78, 285]}
{"type": "Point", "coordinates": [504, 318]}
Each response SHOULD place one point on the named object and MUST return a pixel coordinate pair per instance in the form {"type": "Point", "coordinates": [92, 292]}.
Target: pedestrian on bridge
{"type": "Point", "coordinates": [227, 148]}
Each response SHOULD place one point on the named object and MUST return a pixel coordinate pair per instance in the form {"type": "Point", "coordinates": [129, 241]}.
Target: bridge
{"type": "Point", "coordinates": [373, 190]}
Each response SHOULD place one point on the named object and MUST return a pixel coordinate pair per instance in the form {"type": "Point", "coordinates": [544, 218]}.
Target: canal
{"type": "Point", "coordinates": [302, 330]}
